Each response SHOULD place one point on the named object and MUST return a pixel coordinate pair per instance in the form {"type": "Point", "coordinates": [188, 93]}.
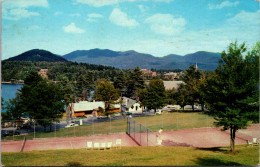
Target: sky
{"type": "Point", "coordinates": [157, 27]}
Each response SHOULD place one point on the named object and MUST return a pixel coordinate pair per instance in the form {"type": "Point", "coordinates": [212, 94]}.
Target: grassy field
{"type": "Point", "coordinates": [169, 121]}
{"type": "Point", "coordinates": [133, 156]}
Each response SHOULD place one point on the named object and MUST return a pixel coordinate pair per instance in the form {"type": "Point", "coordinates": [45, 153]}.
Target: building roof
{"type": "Point", "coordinates": [172, 84]}
{"type": "Point", "coordinates": [88, 106]}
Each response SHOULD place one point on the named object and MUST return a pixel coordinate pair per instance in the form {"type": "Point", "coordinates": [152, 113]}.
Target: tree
{"type": "Point", "coordinates": [232, 91]}
{"type": "Point", "coordinates": [42, 101]}
{"type": "Point", "coordinates": [119, 81]}
{"type": "Point", "coordinates": [107, 93]}
{"type": "Point", "coordinates": [14, 110]}
{"type": "Point", "coordinates": [154, 95]}
{"type": "Point", "coordinates": [192, 78]}
{"type": "Point", "coordinates": [181, 96]}
{"type": "Point", "coordinates": [171, 96]}
{"type": "Point", "coordinates": [135, 81]}
{"type": "Point", "coordinates": [69, 93]}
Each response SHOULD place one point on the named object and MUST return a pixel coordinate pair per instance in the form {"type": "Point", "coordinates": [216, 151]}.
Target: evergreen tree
{"type": "Point", "coordinates": [192, 78]}
{"type": "Point", "coordinates": [154, 95]}
{"type": "Point", "coordinates": [41, 101]}
{"type": "Point", "coordinates": [119, 81]}
{"type": "Point", "coordinates": [134, 82]}
{"type": "Point", "coordinates": [181, 96]}
{"type": "Point", "coordinates": [232, 91]}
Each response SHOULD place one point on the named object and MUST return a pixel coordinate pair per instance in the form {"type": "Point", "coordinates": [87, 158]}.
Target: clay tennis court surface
{"type": "Point", "coordinates": [202, 137]}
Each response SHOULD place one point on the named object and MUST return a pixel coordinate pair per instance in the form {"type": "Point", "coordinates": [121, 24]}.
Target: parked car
{"type": "Point", "coordinates": [24, 126]}
{"type": "Point", "coordinates": [127, 113]}
{"type": "Point", "coordinates": [9, 133]}
{"type": "Point", "coordinates": [117, 114]}
{"type": "Point", "coordinates": [101, 117]}
{"type": "Point", "coordinates": [71, 125]}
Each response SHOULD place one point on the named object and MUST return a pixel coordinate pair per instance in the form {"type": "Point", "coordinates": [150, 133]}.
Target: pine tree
{"type": "Point", "coordinates": [154, 96]}
{"type": "Point", "coordinates": [232, 91]}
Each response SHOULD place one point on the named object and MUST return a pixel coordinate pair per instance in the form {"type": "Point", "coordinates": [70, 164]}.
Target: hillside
{"type": "Point", "coordinates": [37, 55]}
{"type": "Point", "coordinates": [131, 59]}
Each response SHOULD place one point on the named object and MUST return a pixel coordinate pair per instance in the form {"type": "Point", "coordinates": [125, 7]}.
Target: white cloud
{"type": "Point", "coordinates": [166, 24]}
{"type": "Point", "coordinates": [75, 15]}
{"type": "Point", "coordinates": [34, 27]}
{"type": "Point", "coordinates": [71, 28]}
{"type": "Point", "coordinates": [95, 15]}
{"type": "Point", "coordinates": [143, 8]}
{"type": "Point", "coordinates": [244, 18]}
{"type": "Point", "coordinates": [100, 3]}
{"type": "Point", "coordinates": [24, 3]}
{"type": "Point", "coordinates": [223, 4]}
{"type": "Point", "coordinates": [58, 13]}
{"type": "Point", "coordinates": [16, 14]}
{"type": "Point", "coordinates": [121, 19]}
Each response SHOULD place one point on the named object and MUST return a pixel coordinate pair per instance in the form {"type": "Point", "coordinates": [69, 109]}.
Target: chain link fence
{"type": "Point", "coordinates": [16, 130]}
{"type": "Point", "coordinates": [141, 134]}
{"type": "Point", "coordinates": [142, 128]}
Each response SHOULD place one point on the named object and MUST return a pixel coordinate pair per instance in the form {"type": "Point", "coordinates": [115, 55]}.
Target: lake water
{"type": "Point", "coordinates": [8, 91]}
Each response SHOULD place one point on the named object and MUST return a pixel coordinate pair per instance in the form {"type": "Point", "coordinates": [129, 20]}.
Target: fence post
{"type": "Point", "coordinates": [74, 131]}
{"type": "Point", "coordinates": [140, 135]}
{"type": "Point", "coordinates": [93, 125]}
{"type": "Point", "coordinates": [134, 129]}
{"type": "Point", "coordinates": [110, 124]}
{"type": "Point", "coordinates": [147, 137]}
{"type": "Point", "coordinates": [128, 125]}
{"type": "Point", "coordinates": [55, 129]}
{"type": "Point", "coordinates": [177, 122]}
{"type": "Point", "coordinates": [34, 129]}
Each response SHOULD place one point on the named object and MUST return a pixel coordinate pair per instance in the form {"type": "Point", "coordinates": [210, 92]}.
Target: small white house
{"type": "Point", "coordinates": [130, 105]}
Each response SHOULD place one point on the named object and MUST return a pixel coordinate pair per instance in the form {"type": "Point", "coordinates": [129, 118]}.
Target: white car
{"type": "Point", "coordinates": [71, 125]}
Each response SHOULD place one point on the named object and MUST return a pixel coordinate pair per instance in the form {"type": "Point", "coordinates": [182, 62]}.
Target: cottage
{"type": "Point", "coordinates": [130, 105]}
{"type": "Point", "coordinates": [85, 108]}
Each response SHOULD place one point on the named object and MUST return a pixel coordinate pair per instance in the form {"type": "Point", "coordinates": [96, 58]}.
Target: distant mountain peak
{"type": "Point", "coordinates": [37, 55]}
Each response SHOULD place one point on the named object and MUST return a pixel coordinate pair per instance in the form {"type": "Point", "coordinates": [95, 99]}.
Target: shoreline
{"type": "Point", "coordinates": [5, 82]}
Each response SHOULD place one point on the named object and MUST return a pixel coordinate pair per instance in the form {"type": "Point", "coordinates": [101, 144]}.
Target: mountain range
{"type": "Point", "coordinates": [125, 60]}
{"type": "Point", "coordinates": [130, 59]}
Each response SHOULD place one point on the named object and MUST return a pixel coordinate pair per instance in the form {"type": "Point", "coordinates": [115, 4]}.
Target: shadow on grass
{"type": "Point", "coordinates": [214, 149]}
{"type": "Point", "coordinates": [215, 162]}
{"type": "Point", "coordinates": [73, 163]}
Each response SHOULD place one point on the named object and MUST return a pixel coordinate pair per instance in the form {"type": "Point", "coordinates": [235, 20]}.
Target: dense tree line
{"type": "Point", "coordinates": [20, 69]}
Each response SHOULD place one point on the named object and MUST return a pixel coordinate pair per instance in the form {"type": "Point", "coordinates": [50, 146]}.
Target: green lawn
{"type": "Point", "coordinates": [169, 121]}
{"type": "Point", "coordinates": [133, 156]}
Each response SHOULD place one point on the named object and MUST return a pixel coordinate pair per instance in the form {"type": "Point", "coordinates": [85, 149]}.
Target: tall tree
{"type": "Point", "coordinates": [134, 82]}
{"type": "Point", "coordinates": [41, 100]}
{"type": "Point", "coordinates": [154, 95]}
{"type": "Point", "coordinates": [181, 96]}
{"type": "Point", "coordinates": [232, 92]}
{"type": "Point", "coordinates": [107, 93]}
{"type": "Point", "coordinates": [192, 78]}
{"type": "Point", "coordinates": [120, 81]}
{"type": "Point", "coordinates": [69, 93]}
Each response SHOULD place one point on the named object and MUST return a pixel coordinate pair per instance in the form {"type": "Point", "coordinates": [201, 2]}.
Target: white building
{"type": "Point", "coordinates": [130, 105]}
